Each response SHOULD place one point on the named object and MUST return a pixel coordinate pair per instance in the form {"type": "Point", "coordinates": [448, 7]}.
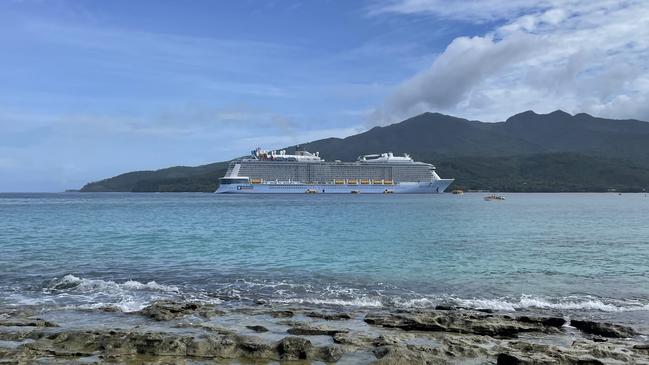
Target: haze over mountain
{"type": "Point", "coordinates": [527, 152]}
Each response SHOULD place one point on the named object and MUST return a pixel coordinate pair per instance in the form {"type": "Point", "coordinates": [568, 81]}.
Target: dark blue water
{"type": "Point", "coordinates": [586, 252]}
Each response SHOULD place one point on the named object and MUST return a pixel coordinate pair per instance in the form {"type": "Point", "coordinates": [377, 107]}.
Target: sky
{"type": "Point", "coordinates": [91, 89]}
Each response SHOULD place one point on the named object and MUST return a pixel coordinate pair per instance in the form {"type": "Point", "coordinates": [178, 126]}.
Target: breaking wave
{"type": "Point", "coordinates": [564, 303]}
{"type": "Point", "coordinates": [71, 291]}
{"type": "Point", "coordinates": [359, 302]}
{"type": "Point", "coordinates": [70, 281]}
{"type": "Point", "coordinates": [128, 296]}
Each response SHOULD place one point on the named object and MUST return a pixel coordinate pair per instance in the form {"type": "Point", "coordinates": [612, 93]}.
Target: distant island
{"type": "Point", "coordinates": [529, 152]}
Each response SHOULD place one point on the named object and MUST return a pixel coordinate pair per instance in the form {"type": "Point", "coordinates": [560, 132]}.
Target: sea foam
{"type": "Point", "coordinates": [129, 296]}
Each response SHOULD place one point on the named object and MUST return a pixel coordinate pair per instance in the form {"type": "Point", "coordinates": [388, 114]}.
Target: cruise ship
{"type": "Point", "coordinates": [304, 172]}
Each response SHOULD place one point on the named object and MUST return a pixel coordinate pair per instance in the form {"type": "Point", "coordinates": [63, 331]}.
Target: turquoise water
{"type": "Point", "coordinates": [564, 252]}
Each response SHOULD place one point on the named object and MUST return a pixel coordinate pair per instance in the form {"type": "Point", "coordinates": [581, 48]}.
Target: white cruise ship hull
{"type": "Point", "coordinates": [432, 187]}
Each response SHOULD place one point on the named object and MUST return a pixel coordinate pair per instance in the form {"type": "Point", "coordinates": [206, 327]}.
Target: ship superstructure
{"type": "Point", "coordinates": [305, 172]}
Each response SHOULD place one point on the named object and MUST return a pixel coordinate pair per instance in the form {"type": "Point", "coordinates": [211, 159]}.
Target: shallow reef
{"type": "Point", "coordinates": [177, 332]}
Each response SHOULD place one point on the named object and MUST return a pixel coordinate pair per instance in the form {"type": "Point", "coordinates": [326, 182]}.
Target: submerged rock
{"type": "Point", "coordinates": [329, 316]}
{"type": "Point", "coordinates": [305, 330]}
{"type": "Point", "coordinates": [26, 322]}
{"type": "Point", "coordinates": [257, 328]}
{"type": "Point", "coordinates": [282, 314]}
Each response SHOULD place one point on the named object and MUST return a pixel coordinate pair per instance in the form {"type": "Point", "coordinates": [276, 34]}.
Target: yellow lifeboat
{"type": "Point", "coordinates": [255, 181]}
{"type": "Point", "coordinates": [352, 181]}
{"type": "Point", "coordinates": [377, 182]}
{"type": "Point", "coordinates": [388, 182]}
{"type": "Point", "coordinates": [338, 182]}
{"type": "Point", "coordinates": [365, 181]}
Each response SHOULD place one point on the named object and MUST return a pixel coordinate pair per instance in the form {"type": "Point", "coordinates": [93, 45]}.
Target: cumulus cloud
{"type": "Point", "coordinates": [580, 56]}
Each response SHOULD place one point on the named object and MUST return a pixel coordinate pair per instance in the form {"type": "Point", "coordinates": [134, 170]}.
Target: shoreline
{"type": "Point", "coordinates": [173, 331]}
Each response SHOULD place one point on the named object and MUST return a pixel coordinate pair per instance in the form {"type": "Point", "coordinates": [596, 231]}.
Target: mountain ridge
{"type": "Point", "coordinates": [526, 152]}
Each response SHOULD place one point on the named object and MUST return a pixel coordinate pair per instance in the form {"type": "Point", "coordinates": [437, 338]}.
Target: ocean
{"type": "Point", "coordinates": [574, 254]}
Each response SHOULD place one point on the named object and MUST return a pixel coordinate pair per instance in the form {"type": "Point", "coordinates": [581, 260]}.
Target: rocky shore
{"type": "Point", "coordinates": [172, 332]}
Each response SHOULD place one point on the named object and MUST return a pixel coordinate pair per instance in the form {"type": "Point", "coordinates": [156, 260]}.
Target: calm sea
{"type": "Point", "coordinates": [568, 253]}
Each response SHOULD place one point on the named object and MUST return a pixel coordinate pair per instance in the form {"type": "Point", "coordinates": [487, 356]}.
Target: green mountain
{"type": "Point", "coordinates": [527, 152]}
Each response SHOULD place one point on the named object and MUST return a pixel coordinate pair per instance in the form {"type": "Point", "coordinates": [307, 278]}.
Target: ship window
{"type": "Point", "coordinates": [233, 181]}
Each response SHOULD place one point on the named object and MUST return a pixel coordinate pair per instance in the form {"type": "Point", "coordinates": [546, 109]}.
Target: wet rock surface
{"type": "Point", "coordinates": [164, 310]}
{"type": "Point", "coordinates": [604, 329]}
{"type": "Point", "coordinates": [178, 332]}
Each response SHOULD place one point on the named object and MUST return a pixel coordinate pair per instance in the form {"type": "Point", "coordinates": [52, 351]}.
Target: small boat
{"type": "Point", "coordinates": [355, 191]}
{"type": "Point", "coordinates": [311, 191]}
{"type": "Point", "coordinates": [388, 191]}
{"type": "Point", "coordinates": [457, 192]}
{"type": "Point", "coordinates": [494, 197]}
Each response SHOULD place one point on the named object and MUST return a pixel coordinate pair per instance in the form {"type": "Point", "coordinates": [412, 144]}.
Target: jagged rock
{"type": "Point", "coordinates": [257, 328]}
{"type": "Point", "coordinates": [252, 347]}
{"type": "Point", "coordinates": [604, 329]}
{"type": "Point", "coordinates": [304, 330]}
{"type": "Point", "coordinates": [331, 353]}
{"type": "Point", "coordinates": [392, 355]}
{"type": "Point", "coordinates": [329, 316]}
{"type": "Point", "coordinates": [294, 348]}
{"type": "Point", "coordinates": [467, 336]}
{"type": "Point", "coordinates": [385, 341]}
{"type": "Point", "coordinates": [457, 322]}
{"type": "Point", "coordinates": [586, 360]}
{"type": "Point", "coordinates": [165, 310]}
{"type": "Point", "coordinates": [211, 346]}
{"type": "Point", "coordinates": [351, 339]}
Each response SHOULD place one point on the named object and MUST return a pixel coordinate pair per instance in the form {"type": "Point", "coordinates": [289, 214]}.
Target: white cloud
{"type": "Point", "coordinates": [580, 56]}
{"type": "Point", "coordinates": [471, 10]}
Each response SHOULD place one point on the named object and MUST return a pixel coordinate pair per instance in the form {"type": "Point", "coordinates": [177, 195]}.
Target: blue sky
{"type": "Point", "coordinates": [90, 89]}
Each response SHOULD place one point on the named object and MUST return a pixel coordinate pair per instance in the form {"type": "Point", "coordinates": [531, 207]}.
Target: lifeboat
{"type": "Point", "coordinates": [338, 182]}
{"type": "Point", "coordinates": [388, 182]}
{"type": "Point", "coordinates": [377, 182]}
{"type": "Point", "coordinates": [352, 181]}
{"type": "Point", "coordinates": [365, 181]}
{"type": "Point", "coordinates": [255, 181]}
